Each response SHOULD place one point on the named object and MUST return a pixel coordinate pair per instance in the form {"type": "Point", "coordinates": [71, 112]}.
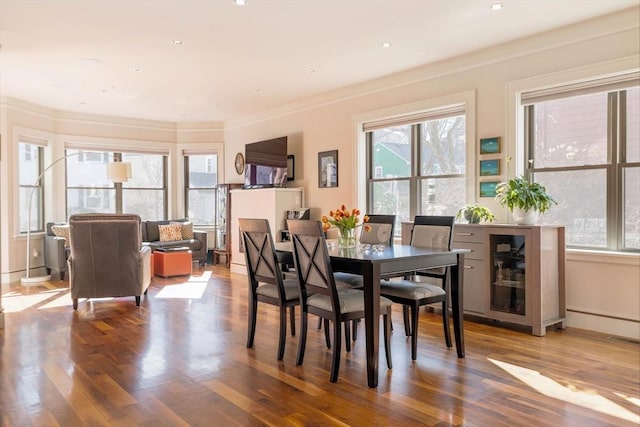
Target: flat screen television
{"type": "Point", "coordinates": [266, 163]}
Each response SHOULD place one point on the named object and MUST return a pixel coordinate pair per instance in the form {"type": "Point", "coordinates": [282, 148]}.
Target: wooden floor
{"type": "Point", "coordinates": [180, 360]}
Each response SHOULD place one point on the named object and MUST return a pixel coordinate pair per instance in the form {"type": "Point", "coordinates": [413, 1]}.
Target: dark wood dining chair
{"type": "Point", "coordinates": [428, 231]}
{"type": "Point", "coordinates": [381, 233]}
{"type": "Point", "coordinates": [266, 282]}
{"type": "Point", "coordinates": [319, 294]}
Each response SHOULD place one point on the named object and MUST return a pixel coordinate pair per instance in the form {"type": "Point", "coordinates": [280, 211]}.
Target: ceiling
{"type": "Point", "coordinates": [118, 58]}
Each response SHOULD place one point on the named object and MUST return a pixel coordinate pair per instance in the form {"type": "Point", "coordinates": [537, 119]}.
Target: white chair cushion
{"type": "Point", "coordinates": [410, 290]}
{"type": "Point", "coordinates": [350, 300]}
{"type": "Point", "coordinates": [291, 290]}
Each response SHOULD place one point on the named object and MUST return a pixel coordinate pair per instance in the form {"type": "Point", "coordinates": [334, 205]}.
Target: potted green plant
{"type": "Point", "coordinates": [475, 213]}
{"type": "Point", "coordinates": [525, 199]}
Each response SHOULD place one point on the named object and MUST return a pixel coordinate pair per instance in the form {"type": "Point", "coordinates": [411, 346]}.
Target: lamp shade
{"type": "Point", "coordinates": [119, 171]}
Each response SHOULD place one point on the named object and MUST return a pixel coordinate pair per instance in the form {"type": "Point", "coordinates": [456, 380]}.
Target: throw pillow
{"type": "Point", "coordinates": [170, 232]}
{"type": "Point", "coordinates": [61, 231]}
{"type": "Point", "coordinates": [187, 229]}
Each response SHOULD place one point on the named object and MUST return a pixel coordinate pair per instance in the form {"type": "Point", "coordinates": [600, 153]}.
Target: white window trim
{"type": "Point", "coordinates": [37, 137]}
{"type": "Point", "coordinates": [467, 98]}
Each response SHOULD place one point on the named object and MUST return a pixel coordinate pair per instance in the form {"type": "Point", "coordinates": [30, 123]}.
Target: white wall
{"type": "Point", "coordinates": [608, 289]}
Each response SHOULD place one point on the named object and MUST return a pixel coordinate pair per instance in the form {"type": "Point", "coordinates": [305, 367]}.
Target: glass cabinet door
{"type": "Point", "coordinates": [508, 278]}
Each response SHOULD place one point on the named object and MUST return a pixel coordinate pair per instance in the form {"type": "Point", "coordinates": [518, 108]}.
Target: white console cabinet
{"type": "Point", "coordinates": [267, 203]}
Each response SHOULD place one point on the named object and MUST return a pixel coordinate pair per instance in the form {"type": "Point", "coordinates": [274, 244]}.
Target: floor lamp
{"type": "Point", "coordinates": [116, 172]}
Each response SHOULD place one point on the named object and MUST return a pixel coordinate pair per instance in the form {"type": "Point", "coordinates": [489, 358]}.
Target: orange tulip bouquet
{"type": "Point", "coordinates": [347, 221]}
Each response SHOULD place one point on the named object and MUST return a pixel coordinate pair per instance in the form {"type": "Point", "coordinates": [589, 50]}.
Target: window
{"type": "Point", "coordinates": [586, 150]}
{"type": "Point", "coordinates": [146, 191]}
{"type": "Point", "coordinates": [417, 167]}
{"type": "Point", "coordinates": [30, 167]}
{"type": "Point", "coordinates": [89, 189]}
{"type": "Point", "coordinates": [201, 180]}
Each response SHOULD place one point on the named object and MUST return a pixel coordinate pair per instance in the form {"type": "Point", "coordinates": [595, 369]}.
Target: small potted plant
{"type": "Point", "coordinates": [525, 199]}
{"type": "Point", "coordinates": [475, 213]}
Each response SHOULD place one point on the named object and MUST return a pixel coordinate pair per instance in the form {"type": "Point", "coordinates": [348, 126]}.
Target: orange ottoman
{"type": "Point", "coordinates": [172, 261]}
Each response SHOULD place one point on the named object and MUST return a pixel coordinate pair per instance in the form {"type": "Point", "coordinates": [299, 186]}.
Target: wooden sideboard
{"type": "Point", "coordinates": [514, 273]}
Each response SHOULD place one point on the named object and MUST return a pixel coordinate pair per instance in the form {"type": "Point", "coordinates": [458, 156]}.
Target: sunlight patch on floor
{"type": "Point", "coordinates": [204, 277]}
{"type": "Point", "coordinates": [186, 290]}
{"type": "Point", "coordinates": [584, 398]}
{"type": "Point", "coordinates": [13, 302]}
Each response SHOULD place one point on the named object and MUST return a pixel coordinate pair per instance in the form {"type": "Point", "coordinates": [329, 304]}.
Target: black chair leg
{"type": "Point", "coordinates": [415, 310]}
{"type": "Point", "coordinates": [337, 341]}
{"type": "Point", "coordinates": [347, 336]}
{"type": "Point", "coordinates": [292, 314]}
{"type": "Point", "coordinates": [445, 323]}
{"type": "Point", "coordinates": [253, 312]}
{"type": "Point", "coordinates": [327, 333]}
{"type": "Point", "coordinates": [283, 332]}
{"type": "Point", "coordinates": [75, 303]}
{"type": "Point", "coordinates": [137, 300]}
{"type": "Point", "coordinates": [405, 315]}
{"type": "Point", "coordinates": [354, 329]}
{"type": "Point", "coordinates": [319, 323]}
{"type": "Point", "coordinates": [386, 319]}
{"type": "Point", "coordinates": [302, 342]}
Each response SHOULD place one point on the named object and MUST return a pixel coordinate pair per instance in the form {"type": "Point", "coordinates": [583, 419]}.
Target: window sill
{"type": "Point", "coordinates": [603, 257]}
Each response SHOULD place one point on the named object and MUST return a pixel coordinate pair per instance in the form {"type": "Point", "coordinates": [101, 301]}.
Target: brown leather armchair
{"type": "Point", "coordinates": [107, 257]}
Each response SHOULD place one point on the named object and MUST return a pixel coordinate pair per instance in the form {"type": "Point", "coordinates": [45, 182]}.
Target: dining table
{"type": "Point", "coordinates": [390, 261]}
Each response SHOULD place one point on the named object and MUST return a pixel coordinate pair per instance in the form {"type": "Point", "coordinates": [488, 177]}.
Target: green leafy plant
{"type": "Point", "coordinates": [475, 213]}
{"type": "Point", "coordinates": [520, 192]}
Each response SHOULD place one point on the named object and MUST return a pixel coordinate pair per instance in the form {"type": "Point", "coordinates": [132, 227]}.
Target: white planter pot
{"type": "Point", "coordinates": [522, 217]}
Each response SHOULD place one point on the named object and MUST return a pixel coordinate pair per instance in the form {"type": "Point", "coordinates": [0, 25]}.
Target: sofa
{"type": "Point", "coordinates": [170, 237]}
{"type": "Point", "coordinates": [56, 249]}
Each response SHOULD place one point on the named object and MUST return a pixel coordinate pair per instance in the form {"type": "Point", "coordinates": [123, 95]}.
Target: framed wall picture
{"type": "Point", "coordinates": [328, 169]}
{"type": "Point", "coordinates": [490, 145]}
{"type": "Point", "coordinates": [291, 167]}
{"type": "Point", "coordinates": [488, 188]}
{"type": "Point", "coordinates": [490, 167]}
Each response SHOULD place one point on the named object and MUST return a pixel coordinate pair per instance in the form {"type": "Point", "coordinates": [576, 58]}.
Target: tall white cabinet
{"type": "Point", "coordinates": [268, 203]}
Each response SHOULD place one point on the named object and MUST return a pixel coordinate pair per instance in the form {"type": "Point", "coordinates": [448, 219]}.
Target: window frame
{"type": "Point", "coordinates": [209, 166]}
{"type": "Point", "coordinates": [614, 166]}
{"type": "Point", "coordinates": [38, 184]}
{"type": "Point", "coordinates": [416, 178]}
{"type": "Point", "coordinates": [111, 155]}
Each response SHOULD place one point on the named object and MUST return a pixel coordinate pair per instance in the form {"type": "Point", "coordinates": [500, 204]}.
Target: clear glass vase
{"type": "Point", "coordinates": [347, 238]}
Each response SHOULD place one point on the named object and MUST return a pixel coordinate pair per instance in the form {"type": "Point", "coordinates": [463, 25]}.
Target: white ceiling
{"type": "Point", "coordinates": [238, 60]}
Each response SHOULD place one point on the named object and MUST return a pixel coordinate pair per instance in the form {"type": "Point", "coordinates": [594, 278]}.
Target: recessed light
{"type": "Point", "coordinates": [257, 90]}
{"type": "Point", "coordinates": [135, 69]}
{"type": "Point", "coordinates": [102, 91]}
{"type": "Point", "coordinates": [176, 42]}
{"type": "Point", "coordinates": [240, 2]}
{"type": "Point", "coordinates": [386, 44]}
{"type": "Point", "coordinates": [497, 6]}
{"type": "Point", "coordinates": [311, 71]}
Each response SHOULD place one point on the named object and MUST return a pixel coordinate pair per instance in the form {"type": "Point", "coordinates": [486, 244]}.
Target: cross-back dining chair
{"type": "Point", "coordinates": [319, 294]}
{"type": "Point", "coordinates": [266, 282]}
{"type": "Point", "coordinates": [381, 233]}
{"type": "Point", "coordinates": [434, 232]}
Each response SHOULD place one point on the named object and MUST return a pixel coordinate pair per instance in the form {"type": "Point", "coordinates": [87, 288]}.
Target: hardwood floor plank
{"type": "Point", "coordinates": [180, 360]}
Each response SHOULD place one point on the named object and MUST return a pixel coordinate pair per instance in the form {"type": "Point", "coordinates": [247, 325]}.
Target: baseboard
{"type": "Point", "coordinates": [604, 324]}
